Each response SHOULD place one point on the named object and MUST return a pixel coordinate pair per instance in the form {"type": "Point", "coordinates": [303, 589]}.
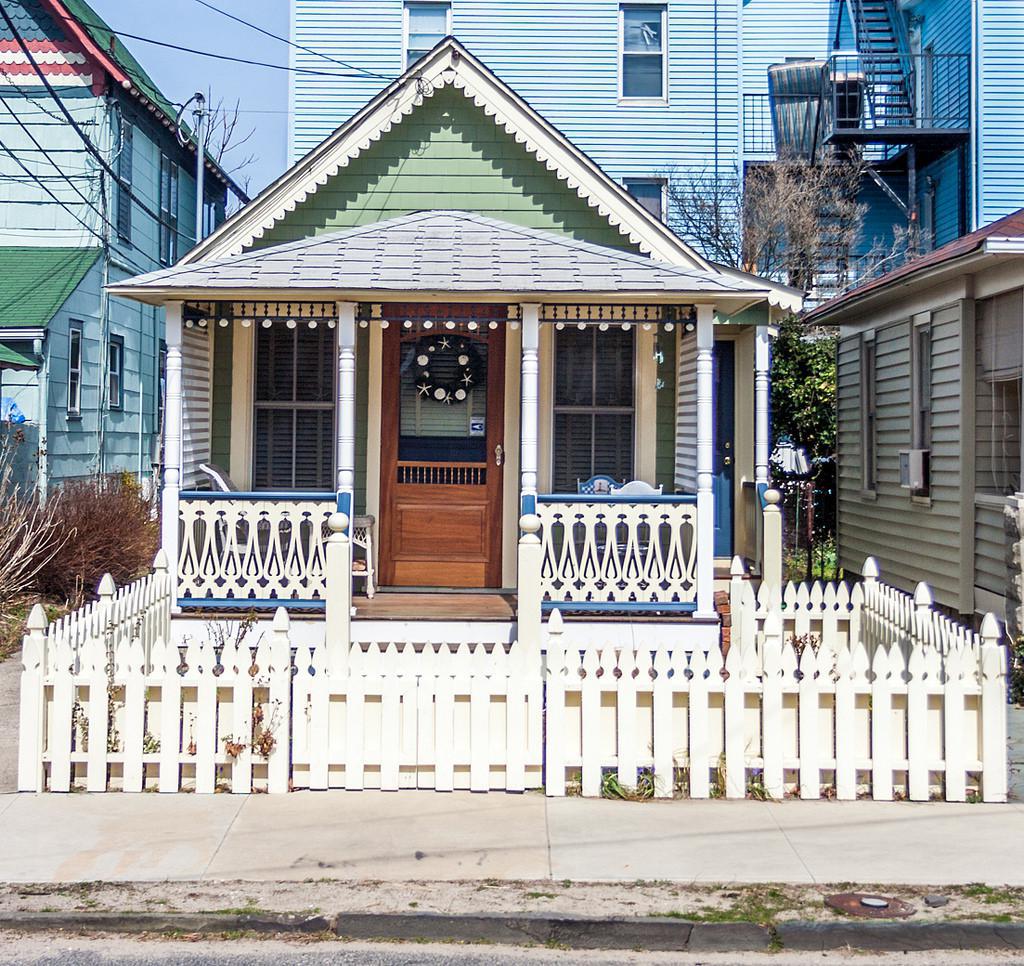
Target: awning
{"type": "Point", "coordinates": [9, 359]}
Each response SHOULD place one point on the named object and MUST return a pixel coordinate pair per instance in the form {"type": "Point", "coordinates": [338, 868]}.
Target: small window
{"type": "Point", "coordinates": [75, 370]}
{"type": "Point", "coordinates": [426, 25]}
{"type": "Point", "coordinates": [650, 192]}
{"type": "Point", "coordinates": [168, 211]}
{"type": "Point", "coordinates": [999, 353]}
{"type": "Point", "coordinates": [869, 414]}
{"type": "Point", "coordinates": [123, 203]}
{"type": "Point", "coordinates": [594, 406]}
{"type": "Point", "coordinates": [115, 372]}
{"type": "Point", "coordinates": [642, 39]}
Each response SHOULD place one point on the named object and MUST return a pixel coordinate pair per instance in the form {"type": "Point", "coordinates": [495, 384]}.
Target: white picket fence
{"type": "Point", "coordinates": [824, 691]}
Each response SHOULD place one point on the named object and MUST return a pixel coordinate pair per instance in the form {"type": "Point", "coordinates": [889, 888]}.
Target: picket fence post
{"type": "Point", "coordinates": [339, 593]}
{"type": "Point", "coordinates": [529, 594]}
{"type": "Point", "coordinates": [771, 563]}
{"type": "Point", "coordinates": [554, 764]}
{"type": "Point", "coordinates": [993, 712]}
{"type": "Point", "coordinates": [30, 719]}
{"type": "Point", "coordinates": [279, 715]}
{"type": "Point", "coordinates": [100, 659]}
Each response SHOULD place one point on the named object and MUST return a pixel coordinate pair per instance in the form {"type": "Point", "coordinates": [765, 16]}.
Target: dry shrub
{"type": "Point", "coordinates": [111, 529]}
{"type": "Point", "coordinates": [31, 532]}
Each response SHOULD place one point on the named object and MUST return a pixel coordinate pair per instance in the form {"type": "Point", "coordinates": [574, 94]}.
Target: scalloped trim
{"type": "Point", "coordinates": [447, 77]}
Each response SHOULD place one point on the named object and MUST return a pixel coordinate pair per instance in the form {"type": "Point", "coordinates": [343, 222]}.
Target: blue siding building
{"type": "Point", "coordinates": [94, 188]}
{"type": "Point", "coordinates": [935, 86]}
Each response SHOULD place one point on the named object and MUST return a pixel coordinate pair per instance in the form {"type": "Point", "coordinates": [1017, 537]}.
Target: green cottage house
{"type": "Point", "coordinates": [448, 335]}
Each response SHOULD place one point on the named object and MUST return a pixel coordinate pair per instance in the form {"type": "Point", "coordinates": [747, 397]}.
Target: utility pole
{"type": "Point", "coordinates": [199, 113]}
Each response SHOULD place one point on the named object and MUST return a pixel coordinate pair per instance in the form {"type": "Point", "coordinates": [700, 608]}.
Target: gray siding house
{"type": "Point", "coordinates": [929, 408]}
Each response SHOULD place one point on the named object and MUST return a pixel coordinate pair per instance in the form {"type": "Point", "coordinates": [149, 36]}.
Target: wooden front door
{"type": "Point", "coordinates": [442, 446]}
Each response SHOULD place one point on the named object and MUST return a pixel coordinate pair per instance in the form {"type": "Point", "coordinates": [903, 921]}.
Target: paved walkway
{"type": "Point", "coordinates": [431, 836]}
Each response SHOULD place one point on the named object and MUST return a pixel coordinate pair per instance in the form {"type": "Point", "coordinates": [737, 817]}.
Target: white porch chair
{"type": "Point", "coordinates": [636, 488]}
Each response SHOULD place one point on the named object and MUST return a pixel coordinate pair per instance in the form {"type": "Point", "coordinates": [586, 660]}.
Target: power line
{"type": "Point", "coordinates": [89, 146]}
{"type": "Point", "coordinates": [291, 43]}
{"type": "Point", "coordinates": [227, 57]}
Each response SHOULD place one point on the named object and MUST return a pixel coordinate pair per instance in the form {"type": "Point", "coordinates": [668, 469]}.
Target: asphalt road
{"type": "Point", "coordinates": [63, 951]}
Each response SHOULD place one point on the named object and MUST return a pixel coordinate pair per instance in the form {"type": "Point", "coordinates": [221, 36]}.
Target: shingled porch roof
{"type": "Point", "coordinates": [450, 253]}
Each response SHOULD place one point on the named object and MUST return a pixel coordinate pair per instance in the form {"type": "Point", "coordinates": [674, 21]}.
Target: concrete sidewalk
{"type": "Point", "coordinates": [438, 837]}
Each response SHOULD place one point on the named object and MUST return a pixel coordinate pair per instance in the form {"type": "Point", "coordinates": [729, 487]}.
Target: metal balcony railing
{"type": "Point", "coordinates": [758, 132]}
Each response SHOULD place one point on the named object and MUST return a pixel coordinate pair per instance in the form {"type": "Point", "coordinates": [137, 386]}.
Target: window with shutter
{"type": "Point", "coordinates": [594, 407]}
{"type": "Point", "coordinates": [124, 183]}
{"type": "Point", "coordinates": [294, 402]}
{"type": "Point", "coordinates": [999, 351]}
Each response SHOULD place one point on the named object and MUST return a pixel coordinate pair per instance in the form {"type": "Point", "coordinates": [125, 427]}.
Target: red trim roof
{"type": "Point", "coordinates": [1012, 226]}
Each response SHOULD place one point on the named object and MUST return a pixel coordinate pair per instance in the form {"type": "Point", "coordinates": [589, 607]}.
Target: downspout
{"type": "Point", "coordinates": [976, 65]}
{"type": "Point", "coordinates": [42, 386]}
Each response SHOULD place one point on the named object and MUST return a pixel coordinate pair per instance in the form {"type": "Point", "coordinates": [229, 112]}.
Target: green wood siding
{"type": "Point", "coordinates": [911, 541]}
{"type": "Point", "coordinates": [220, 413]}
{"type": "Point", "coordinates": [446, 154]}
{"type": "Point", "coordinates": [665, 459]}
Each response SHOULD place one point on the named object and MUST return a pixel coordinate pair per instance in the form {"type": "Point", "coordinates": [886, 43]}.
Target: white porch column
{"type": "Point", "coordinates": [529, 394]}
{"type": "Point", "coordinates": [762, 403]}
{"type": "Point", "coordinates": [705, 462]}
{"type": "Point", "coordinates": [173, 419]}
{"type": "Point", "coordinates": [345, 446]}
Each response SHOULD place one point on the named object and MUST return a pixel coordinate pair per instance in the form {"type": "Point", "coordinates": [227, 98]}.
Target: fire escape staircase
{"type": "Point", "coordinates": [883, 43]}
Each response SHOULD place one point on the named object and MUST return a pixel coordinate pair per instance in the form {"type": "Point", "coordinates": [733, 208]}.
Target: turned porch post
{"type": "Point", "coordinates": [705, 462]}
{"type": "Point", "coordinates": [529, 420]}
{"type": "Point", "coordinates": [345, 446]}
{"type": "Point", "coordinates": [762, 404]}
{"type": "Point", "coordinates": [173, 419]}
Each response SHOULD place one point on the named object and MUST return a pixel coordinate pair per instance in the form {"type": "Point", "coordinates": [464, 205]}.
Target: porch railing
{"type": "Point", "coordinates": [242, 549]}
{"type": "Point", "coordinates": [618, 553]}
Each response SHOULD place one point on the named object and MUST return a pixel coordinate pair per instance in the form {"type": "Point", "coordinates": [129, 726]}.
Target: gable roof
{"type": "Point", "coordinates": [38, 281]}
{"type": "Point", "coordinates": [450, 64]}
{"type": "Point", "coordinates": [444, 252]}
{"type": "Point", "coordinates": [1011, 227]}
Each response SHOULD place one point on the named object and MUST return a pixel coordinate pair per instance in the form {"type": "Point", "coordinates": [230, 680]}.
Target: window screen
{"type": "Point", "coordinates": [999, 348]}
{"type": "Point", "coordinates": [593, 416]}
{"type": "Point", "coordinates": [294, 402]}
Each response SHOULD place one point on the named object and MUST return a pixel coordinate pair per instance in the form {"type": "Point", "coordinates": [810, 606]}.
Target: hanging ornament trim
{"type": "Point", "coordinates": [452, 352]}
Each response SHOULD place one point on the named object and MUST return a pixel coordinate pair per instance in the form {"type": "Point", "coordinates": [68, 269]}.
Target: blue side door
{"type": "Point", "coordinates": [724, 465]}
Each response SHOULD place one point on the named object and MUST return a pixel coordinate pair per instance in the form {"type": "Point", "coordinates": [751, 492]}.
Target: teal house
{"type": "Point", "coordinates": [94, 187]}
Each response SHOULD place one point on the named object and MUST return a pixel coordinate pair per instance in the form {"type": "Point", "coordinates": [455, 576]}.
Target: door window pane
{"type": "Point", "coordinates": [999, 349]}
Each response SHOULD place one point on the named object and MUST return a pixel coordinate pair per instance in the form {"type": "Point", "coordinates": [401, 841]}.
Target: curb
{"type": "Point", "coordinates": [658, 934]}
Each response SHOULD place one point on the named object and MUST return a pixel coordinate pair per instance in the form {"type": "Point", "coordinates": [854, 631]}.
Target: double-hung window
{"type": "Point", "coordinates": [594, 406]}
{"type": "Point", "coordinates": [999, 351]}
{"type": "Point", "coordinates": [426, 25]}
{"type": "Point", "coordinates": [869, 413]}
{"type": "Point", "coordinates": [168, 211]}
{"type": "Point", "coordinates": [115, 372]}
{"type": "Point", "coordinates": [294, 401]}
{"type": "Point", "coordinates": [75, 369]}
{"type": "Point", "coordinates": [642, 29]}
{"type": "Point", "coordinates": [650, 192]}
{"type": "Point", "coordinates": [123, 191]}
{"type": "Point", "coordinates": [921, 385]}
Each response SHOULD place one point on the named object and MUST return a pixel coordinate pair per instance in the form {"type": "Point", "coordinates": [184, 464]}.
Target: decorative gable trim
{"type": "Point", "coordinates": [450, 64]}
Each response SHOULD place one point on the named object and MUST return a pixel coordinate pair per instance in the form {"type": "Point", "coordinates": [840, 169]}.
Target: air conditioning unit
{"type": "Point", "coordinates": [914, 475]}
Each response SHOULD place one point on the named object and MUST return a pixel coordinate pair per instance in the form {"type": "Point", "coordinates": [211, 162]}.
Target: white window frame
{"type": "Point", "coordinates": [75, 400]}
{"type": "Point", "coordinates": [115, 342]}
{"type": "Point", "coordinates": [649, 179]}
{"type": "Point", "coordinates": [406, 6]}
{"type": "Point", "coordinates": [642, 101]}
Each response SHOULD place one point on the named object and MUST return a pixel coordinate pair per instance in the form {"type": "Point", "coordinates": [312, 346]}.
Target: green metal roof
{"type": "Point", "coordinates": [9, 359]}
{"type": "Point", "coordinates": [36, 282]}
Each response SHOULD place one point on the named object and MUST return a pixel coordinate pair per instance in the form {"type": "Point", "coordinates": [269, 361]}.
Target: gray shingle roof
{"type": "Point", "coordinates": [442, 251]}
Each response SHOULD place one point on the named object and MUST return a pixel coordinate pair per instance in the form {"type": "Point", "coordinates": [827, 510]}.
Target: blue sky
{"type": "Point", "coordinates": [262, 93]}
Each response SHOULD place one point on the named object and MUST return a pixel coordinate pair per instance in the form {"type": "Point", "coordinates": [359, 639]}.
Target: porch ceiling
{"type": "Point", "coordinates": [451, 254]}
